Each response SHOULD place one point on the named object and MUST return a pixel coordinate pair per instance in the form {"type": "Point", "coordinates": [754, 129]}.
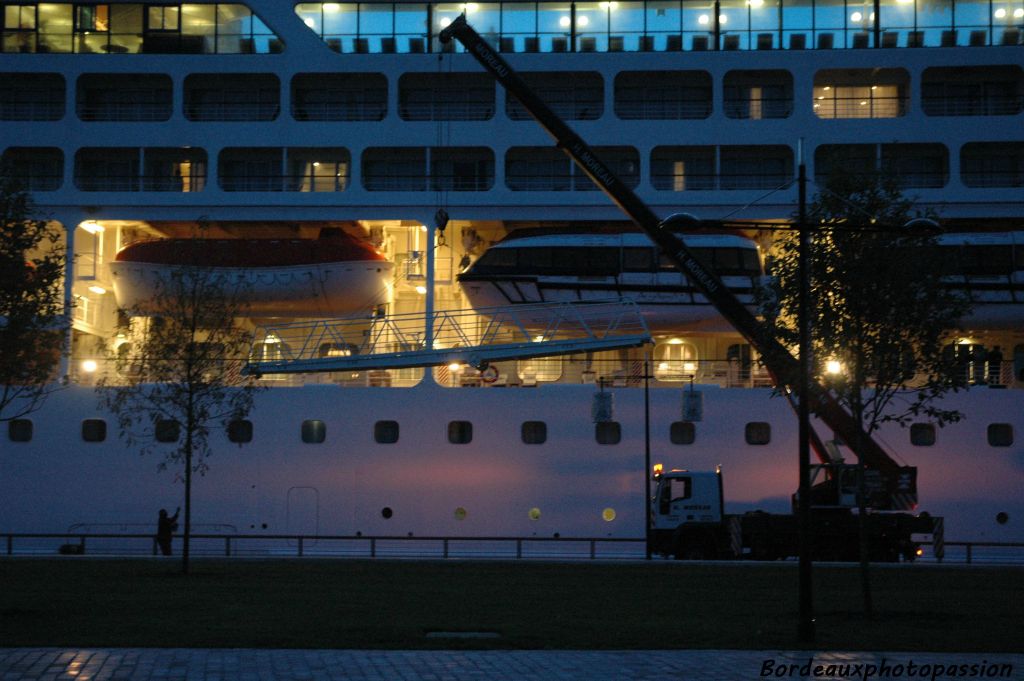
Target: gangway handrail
{"type": "Point", "coordinates": [396, 341]}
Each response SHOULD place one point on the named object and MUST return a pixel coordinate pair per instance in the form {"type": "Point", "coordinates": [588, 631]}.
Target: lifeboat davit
{"type": "Point", "coordinates": [556, 265]}
{"type": "Point", "coordinates": [335, 275]}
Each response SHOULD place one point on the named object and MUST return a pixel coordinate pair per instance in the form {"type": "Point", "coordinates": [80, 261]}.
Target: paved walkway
{"type": "Point", "coordinates": [367, 665]}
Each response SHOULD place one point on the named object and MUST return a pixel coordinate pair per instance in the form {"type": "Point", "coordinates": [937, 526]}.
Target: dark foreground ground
{"type": "Point", "coordinates": [424, 605]}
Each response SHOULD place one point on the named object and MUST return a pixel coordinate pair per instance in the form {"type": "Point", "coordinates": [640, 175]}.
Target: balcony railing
{"type": "Point", "coordinates": [655, 110]}
{"type": "Point", "coordinates": [30, 111]}
{"type": "Point", "coordinates": [973, 106]}
{"type": "Point", "coordinates": [446, 111]}
{"type": "Point", "coordinates": [341, 111]}
{"type": "Point", "coordinates": [861, 107]}
{"type": "Point", "coordinates": [256, 111]}
{"type": "Point", "coordinates": [124, 111]}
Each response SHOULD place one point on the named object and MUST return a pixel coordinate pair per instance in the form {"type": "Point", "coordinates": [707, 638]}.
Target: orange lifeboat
{"type": "Point", "coordinates": [332, 276]}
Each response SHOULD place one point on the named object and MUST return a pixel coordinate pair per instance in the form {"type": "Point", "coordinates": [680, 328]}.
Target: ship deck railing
{"type": "Point", "coordinates": [475, 337]}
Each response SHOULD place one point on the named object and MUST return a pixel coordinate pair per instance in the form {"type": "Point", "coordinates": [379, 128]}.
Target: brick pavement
{"type": "Point", "coordinates": [172, 664]}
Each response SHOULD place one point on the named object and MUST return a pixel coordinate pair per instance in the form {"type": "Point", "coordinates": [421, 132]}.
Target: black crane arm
{"type": "Point", "coordinates": [777, 358]}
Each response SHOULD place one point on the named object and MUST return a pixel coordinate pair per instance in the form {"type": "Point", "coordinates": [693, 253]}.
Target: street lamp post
{"type": "Point", "coordinates": [806, 626]}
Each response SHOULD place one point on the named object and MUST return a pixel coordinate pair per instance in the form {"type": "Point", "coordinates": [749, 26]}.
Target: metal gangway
{"type": "Point", "coordinates": [475, 336]}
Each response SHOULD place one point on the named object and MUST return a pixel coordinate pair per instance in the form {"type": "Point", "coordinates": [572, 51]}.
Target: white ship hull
{"type": "Point", "coordinates": [279, 485]}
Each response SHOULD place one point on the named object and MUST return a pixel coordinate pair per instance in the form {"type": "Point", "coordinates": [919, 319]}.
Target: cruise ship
{"type": "Point", "coordinates": [136, 124]}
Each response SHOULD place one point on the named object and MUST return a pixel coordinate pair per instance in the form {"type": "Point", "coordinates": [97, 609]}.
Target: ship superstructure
{"type": "Point", "coordinates": [132, 122]}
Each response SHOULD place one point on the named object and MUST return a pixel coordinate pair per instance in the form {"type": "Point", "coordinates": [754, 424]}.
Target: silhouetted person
{"type": "Point", "coordinates": [165, 528]}
{"type": "Point", "coordinates": [995, 365]}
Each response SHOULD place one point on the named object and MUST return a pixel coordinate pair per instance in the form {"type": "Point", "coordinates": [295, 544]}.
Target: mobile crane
{"type": "Point", "coordinates": [892, 487]}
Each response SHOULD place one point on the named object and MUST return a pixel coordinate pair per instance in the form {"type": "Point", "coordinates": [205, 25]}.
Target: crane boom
{"type": "Point", "coordinates": [899, 482]}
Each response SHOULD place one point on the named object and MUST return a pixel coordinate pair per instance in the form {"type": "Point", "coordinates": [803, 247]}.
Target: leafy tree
{"type": "Point", "coordinates": [180, 372]}
{"type": "Point", "coordinates": [881, 313]}
{"type": "Point", "coordinates": [33, 324]}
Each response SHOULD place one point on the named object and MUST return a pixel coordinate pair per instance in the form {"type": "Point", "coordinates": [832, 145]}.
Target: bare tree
{"type": "Point", "coordinates": [33, 323]}
{"type": "Point", "coordinates": [882, 310]}
{"type": "Point", "coordinates": [180, 377]}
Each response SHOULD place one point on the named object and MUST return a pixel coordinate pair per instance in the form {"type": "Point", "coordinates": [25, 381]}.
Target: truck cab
{"type": "Point", "coordinates": [687, 513]}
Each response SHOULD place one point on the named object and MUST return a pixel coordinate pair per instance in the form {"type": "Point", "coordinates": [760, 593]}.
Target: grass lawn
{"type": "Point", "coordinates": [395, 604]}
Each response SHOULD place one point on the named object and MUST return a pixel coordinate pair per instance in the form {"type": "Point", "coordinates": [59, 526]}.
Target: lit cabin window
{"type": "Point", "coordinates": [240, 431]}
{"type": "Point", "coordinates": [608, 432]}
{"type": "Point", "coordinates": [675, 360]}
{"type": "Point", "coordinates": [682, 433]}
{"type": "Point", "coordinates": [1000, 435]}
{"type": "Point", "coordinates": [19, 430]}
{"type": "Point", "coordinates": [922, 434]}
{"type": "Point", "coordinates": [758, 433]}
{"type": "Point", "coordinates": [460, 432]}
{"type": "Point", "coordinates": [539, 370]}
{"type": "Point", "coordinates": [385, 432]}
{"type": "Point", "coordinates": [167, 430]}
{"type": "Point", "coordinates": [314, 431]}
{"type": "Point", "coordinates": [94, 430]}
{"type": "Point", "coordinates": [534, 432]}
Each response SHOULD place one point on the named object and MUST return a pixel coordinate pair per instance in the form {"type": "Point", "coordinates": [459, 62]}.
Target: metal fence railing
{"type": "Point", "coordinates": [233, 545]}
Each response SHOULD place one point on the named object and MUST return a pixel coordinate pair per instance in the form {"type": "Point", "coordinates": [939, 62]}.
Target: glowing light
{"type": "Point", "coordinates": [920, 552]}
{"type": "Point", "coordinates": [89, 366]}
{"type": "Point", "coordinates": [422, 290]}
{"type": "Point", "coordinates": [703, 20]}
{"type": "Point", "coordinates": [608, 5]}
{"type": "Point", "coordinates": [756, 4]}
{"type": "Point", "coordinates": [689, 366]}
{"type": "Point", "coordinates": [331, 7]}
{"type": "Point", "coordinates": [534, 513]}
{"type": "Point", "coordinates": [608, 515]}
{"type": "Point", "coordinates": [1000, 13]}
{"type": "Point", "coordinates": [675, 341]}
{"type": "Point", "coordinates": [564, 22]}
{"type": "Point", "coordinates": [833, 367]}
{"type": "Point", "coordinates": [856, 16]}
{"type": "Point", "coordinates": [316, 164]}
{"type": "Point", "coordinates": [863, 103]}
{"type": "Point", "coordinates": [663, 366]}
{"type": "Point", "coordinates": [470, 7]}
{"type": "Point", "coordinates": [455, 366]}
{"type": "Point", "coordinates": [1018, 13]}
{"type": "Point", "coordinates": [92, 227]}
{"type": "Point", "coordinates": [722, 19]}
{"type": "Point", "coordinates": [827, 88]}
{"type": "Point", "coordinates": [582, 21]}
{"type": "Point", "coordinates": [538, 339]}
{"type": "Point", "coordinates": [308, 21]}
{"type": "Point", "coordinates": [658, 469]}
{"type": "Point", "coordinates": [99, 290]}
{"type": "Point", "coordinates": [444, 21]}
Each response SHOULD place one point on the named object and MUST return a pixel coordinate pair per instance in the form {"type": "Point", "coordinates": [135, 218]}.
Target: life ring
{"type": "Point", "coordinates": [489, 375]}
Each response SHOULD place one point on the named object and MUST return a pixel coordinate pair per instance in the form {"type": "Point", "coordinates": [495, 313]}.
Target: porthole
{"type": "Point", "coordinates": [19, 430]}
{"type": "Point", "coordinates": [1002, 517]}
{"type": "Point", "coordinates": [608, 432]}
{"type": "Point", "coordinates": [167, 430]}
{"type": "Point", "coordinates": [94, 430]}
{"type": "Point", "coordinates": [534, 513]}
{"type": "Point", "coordinates": [1000, 435]}
{"type": "Point", "coordinates": [314, 431]}
{"type": "Point", "coordinates": [534, 432]}
{"type": "Point", "coordinates": [386, 512]}
{"type": "Point", "coordinates": [460, 513]}
{"type": "Point", "coordinates": [682, 432]}
{"type": "Point", "coordinates": [608, 515]}
{"type": "Point", "coordinates": [240, 431]}
{"type": "Point", "coordinates": [385, 432]}
{"type": "Point", "coordinates": [758, 433]}
{"type": "Point", "coordinates": [460, 432]}
{"type": "Point", "coordinates": [922, 434]}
